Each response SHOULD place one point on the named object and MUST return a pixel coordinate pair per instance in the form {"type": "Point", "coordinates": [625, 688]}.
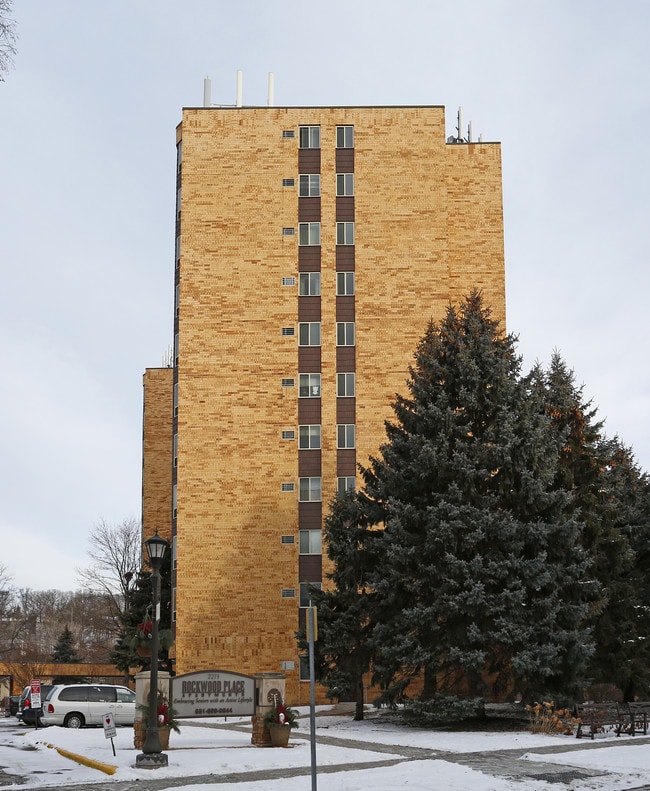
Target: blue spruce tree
{"type": "Point", "coordinates": [481, 583]}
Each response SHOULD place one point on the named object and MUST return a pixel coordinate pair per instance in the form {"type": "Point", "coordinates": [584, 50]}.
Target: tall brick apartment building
{"type": "Point", "coordinates": [313, 244]}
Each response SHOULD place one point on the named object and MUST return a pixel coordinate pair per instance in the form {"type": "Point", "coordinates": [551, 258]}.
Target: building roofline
{"type": "Point", "coordinates": [318, 107]}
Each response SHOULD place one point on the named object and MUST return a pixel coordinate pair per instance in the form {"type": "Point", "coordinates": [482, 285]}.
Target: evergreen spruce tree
{"type": "Point", "coordinates": [344, 649]}
{"type": "Point", "coordinates": [610, 496]}
{"type": "Point", "coordinates": [622, 625]}
{"type": "Point", "coordinates": [479, 572]}
{"type": "Point", "coordinates": [64, 650]}
{"type": "Point", "coordinates": [138, 611]}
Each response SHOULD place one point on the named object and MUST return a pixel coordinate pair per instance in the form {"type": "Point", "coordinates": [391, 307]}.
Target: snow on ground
{"type": "Point", "coordinates": [30, 756]}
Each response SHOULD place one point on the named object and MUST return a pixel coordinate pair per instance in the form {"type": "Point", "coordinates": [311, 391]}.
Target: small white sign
{"type": "Point", "coordinates": [36, 693]}
{"type": "Point", "coordinates": [109, 726]}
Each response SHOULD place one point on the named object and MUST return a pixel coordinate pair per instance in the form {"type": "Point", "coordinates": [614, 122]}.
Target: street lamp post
{"type": "Point", "coordinates": [152, 756]}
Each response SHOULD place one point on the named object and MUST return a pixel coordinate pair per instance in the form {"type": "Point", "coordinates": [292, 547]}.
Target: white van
{"type": "Point", "coordinates": [76, 705]}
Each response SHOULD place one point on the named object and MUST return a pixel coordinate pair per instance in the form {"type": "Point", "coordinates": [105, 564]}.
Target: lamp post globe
{"type": "Point", "coordinates": [152, 756]}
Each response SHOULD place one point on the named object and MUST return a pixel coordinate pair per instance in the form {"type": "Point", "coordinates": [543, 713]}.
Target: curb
{"type": "Point", "coordinates": [108, 769]}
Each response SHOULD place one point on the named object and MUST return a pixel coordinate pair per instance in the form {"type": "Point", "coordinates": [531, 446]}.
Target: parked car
{"type": "Point", "coordinates": [11, 705]}
{"type": "Point", "coordinates": [76, 705]}
{"type": "Point", "coordinates": [26, 711]}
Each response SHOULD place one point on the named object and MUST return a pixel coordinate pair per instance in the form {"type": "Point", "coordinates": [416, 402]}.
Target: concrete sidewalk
{"type": "Point", "coordinates": [508, 764]}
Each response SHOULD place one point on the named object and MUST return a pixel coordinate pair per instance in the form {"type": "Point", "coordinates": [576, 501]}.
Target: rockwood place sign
{"type": "Point", "coordinates": [213, 693]}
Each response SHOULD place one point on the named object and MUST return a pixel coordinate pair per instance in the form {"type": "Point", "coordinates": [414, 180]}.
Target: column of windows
{"type": "Point", "coordinates": [309, 339]}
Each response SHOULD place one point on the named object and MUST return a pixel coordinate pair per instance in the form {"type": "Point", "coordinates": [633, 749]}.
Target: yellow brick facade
{"type": "Point", "coordinates": [157, 423]}
{"type": "Point", "coordinates": [428, 228]}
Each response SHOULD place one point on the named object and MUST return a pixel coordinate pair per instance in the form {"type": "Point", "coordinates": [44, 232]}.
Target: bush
{"type": "Point", "coordinates": [545, 718]}
{"type": "Point", "coordinates": [442, 710]}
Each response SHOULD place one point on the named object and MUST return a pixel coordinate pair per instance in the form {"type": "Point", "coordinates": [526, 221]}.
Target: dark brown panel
{"type": "Point", "coordinates": [309, 209]}
{"type": "Point", "coordinates": [309, 360]}
{"type": "Point", "coordinates": [310, 568]}
{"type": "Point", "coordinates": [345, 359]}
{"type": "Point", "coordinates": [344, 209]}
{"type": "Point", "coordinates": [344, 257]}
{"type": "Point", "coordinates": [344, 160]}
{"type": "Point", "coordinates": [308, 258]}
{"type": "Point", "coordinates": [309, 309]}
{"type": "Point", "coordinates": [346, 462]}
{"type": "Point", "coordinates": [309, 463]}
{"type": "Point", "coordinates": [344, 308]}
{"type": "Point", "coordinates": [309, 160]}
{"type": "Point", "coordinates": [346, 410]}
{"type": "Point", "coordinates": [309, 409]}
{"type": "Point", "coordinates": [310, 516]}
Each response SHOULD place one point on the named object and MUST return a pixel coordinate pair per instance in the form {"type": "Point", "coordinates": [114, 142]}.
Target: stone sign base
{"type": "Point", "coordinates": [260, 736]}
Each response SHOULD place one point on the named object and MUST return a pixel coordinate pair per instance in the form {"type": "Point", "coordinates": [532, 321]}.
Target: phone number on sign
{"type": "Point", "coordinates": [207, 712]}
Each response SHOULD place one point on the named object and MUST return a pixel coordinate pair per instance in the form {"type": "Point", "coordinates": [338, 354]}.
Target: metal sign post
{"type": "Point", "coordinates": [110, 731]}
{"type": "Point", "coordinates": [35, 698]}
{"type": "Point", "coordinates": [313, 635]}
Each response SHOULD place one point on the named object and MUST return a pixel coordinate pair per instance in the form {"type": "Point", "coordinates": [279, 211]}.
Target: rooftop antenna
{"type": "Point", "coordinates": [168, 357]}
{"type": "Point", "coordinates": [458, 137]}
{"type": "Point", "coordinates": [271, 95]}
{"type": "Point", "coordinates": [207, 92]}
{"type": "Point", "coordinates": [240, 82]}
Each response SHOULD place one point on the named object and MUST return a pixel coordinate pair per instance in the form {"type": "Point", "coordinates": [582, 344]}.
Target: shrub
{"type": "Point", "coordinates": [545, 718]}
{"type": "Point", "coordinates": [442, 710]}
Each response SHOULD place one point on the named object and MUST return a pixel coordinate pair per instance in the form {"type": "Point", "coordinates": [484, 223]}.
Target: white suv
{"type": "Point", "coordinates": [76, 705]}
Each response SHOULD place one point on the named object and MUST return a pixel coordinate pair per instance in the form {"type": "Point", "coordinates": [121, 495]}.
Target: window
{"type": "Point", "coordinates": [345, 484]}
{"type": "Point", "coordinates": [310, 490]}
{"type": "Point", "coordinates": [310, 137]}
{"type": "Point", "coordinates": [309, 333]}
{"type": "Point", "coordinates": [345, 436]}
{"type": "Point", "coordinates": [288, 281]}
{"type": "Point", "coordinates": [310, 542]}
{"type": "Point", "coordinates": [310, 185]}
{"type": "Point", "coordinates": [288, 133]}
{"type": "Point", "coordinates": [175, 450]}
{"type": "Point", "coordinates": [344, 233]}
{"type": "Point", "coordinates": [305, 592]}
{"type": "Point", "coordinates": [288, 331]}
{"type": "Point", "coordinates": [288, 487]}
{"type": "Point", "coordinates": [289, 434]}
{"type": "Point", "coordinates": [345, 333]}
{"type": "Point", "coordinates": [309, 284]}
{"type": "Point", "coordinates": [344, 184]}
{"type": "Point", "coordinates": [288, 382]}
{"type": "Point", "coordinates": [309, 233]}
{"type": "Point", "coordinates": [344, 284]}
{"type": "Point", "coordinates": [309, 437]}
{"type": "Point", "coordinates": [309, 385]}
{"type": "Point", "coordinates": [288, 232]}
{"type": "Point", "coordinates": [288, 182]}
{"type": "Point", "coordinates": [175, 399]}
{"type": "Point", "coordinates": [345, 137]}
{"type": "Point", "coordinates": [125, 695]}
{"type": "Point", "coordinates": [345, 385]}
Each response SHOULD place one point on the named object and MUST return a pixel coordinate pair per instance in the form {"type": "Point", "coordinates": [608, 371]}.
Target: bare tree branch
{"type": "Point", "coordinates": [116, 555]}
{"type": "Point", "coordinates": [8, 37]}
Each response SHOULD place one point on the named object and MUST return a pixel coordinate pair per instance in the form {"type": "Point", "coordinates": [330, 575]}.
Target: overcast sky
{"type": "Point", "coordinates": [87, 134]}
